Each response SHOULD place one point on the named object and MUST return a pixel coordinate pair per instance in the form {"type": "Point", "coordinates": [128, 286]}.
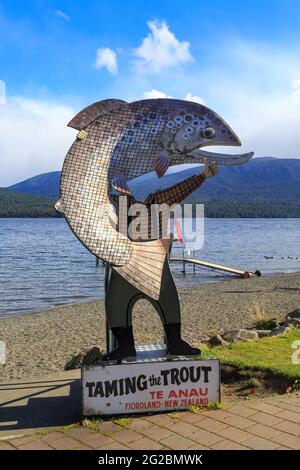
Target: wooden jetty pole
{"type": "Point", "coordinates": [207, 264]}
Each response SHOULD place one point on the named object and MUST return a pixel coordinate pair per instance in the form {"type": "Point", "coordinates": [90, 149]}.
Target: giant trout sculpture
{"type": "Point", "coordinates": [119, 141]}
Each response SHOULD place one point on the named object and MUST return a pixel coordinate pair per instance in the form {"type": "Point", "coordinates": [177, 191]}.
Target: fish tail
{"type": "Point", "coordinates": [144, 269]}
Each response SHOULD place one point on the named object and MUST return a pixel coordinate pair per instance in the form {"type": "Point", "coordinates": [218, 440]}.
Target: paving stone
{"type": "Point", "coordinates": [220, 415]}
{"type": "Point", "coordinates": [263, 431]}
{"type": "Point", "coordinates": [82, 447]}
{"type": "Point", "coordinates": [259, 443]}
{"type": "Point", "coordinates": [146, 444]}
{"type": "Point", "coordinates": [266, 419]}
{"type": "Point", "coordinates": [61, 443]}
{"type": "Point", "coordinates": [157, 433]}
{"type": "Point", "coordinates": [265, 408]}
{"type": "Point", "coordinates": [177, 442]}
{"type": "Point", "coordinates": [243, 411]}
{"type": "Point", "coordinates": [206, 438]}
{"type": "Point", "coordinates": [235, 434]}
{"type": "Point", "coordinates": [80, 433]}
{"type": "Point", "coordinates": [211, 425]}
{"type": "Point", "coordinates": [199, 446]}
{"type": "Point", "coordinates": [35, 445]}
{"type": "Point", "coordinates": [289, 407]}
{"type": "Point", "coordinates": [23, 440]}
{"type": "Point", "coordinates": [184, 429]}
{"type": "Point", "coordinates": [88, 437]}
{"type": "Point", "coordinates": [238, 421]}
{"type": "Point", "coordinates": [190, 417]}
{"type": "Point", "coordinates": [291, 400]}
{"type": "Point", "coordinates": [114, 446]}
{"type": "Point", "coordinates": [162, 420]}
{"type": "Point", "coordinates": [282, 448]}
{"type": "Point", "coordinates": [287, 426]}
{"type": "Point", "coordinates": [228, 445]}
{"type": "Point", "coordinates": [98, 441]}
{"type": "Point", "coordinates": [7, 446]}
{"type": "Point", "coordinates": [293, 442]}
{"type": "Point", "coordinates": [126, 436]}
{"type": "Point", "coordinates": [109, 427]}
{"type": "Point", "coordinates": [52, 436]}
{"type": "Point", "coordinates": [138, 423]}
{"type": "Point", "coordinates": [290, 416]}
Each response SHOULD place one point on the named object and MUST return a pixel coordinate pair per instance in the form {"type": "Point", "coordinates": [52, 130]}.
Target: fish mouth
{"type": "Point", "coordinates": [201, 155]}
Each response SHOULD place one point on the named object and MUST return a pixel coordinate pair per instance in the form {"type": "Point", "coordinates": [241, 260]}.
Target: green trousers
{"type": "Point", "coordinates": [121, 296]}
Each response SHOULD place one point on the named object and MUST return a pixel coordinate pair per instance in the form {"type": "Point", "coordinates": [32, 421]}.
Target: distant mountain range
{"type": "Point", "coordinates": [46, 184]}
{"type": "Point", "coordinates": [262, 179]}
{"type": "Point", "coordinates": [263, 187]}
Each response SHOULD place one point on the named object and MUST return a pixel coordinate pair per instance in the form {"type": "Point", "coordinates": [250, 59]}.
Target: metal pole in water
{"type": "Point", "coordinates": [110, 339]}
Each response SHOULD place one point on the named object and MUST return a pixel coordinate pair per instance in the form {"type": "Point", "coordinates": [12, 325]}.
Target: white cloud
{"type": "Point", "coordinates": [161, 49]}
{"type": "Point", "coordinates": [2, 92]}
{"type": "Point", "coordinates": [296, 92]}
{"type": "Point", "coordinates": [106, 58]}
{"type": "Point", "coordinates": [195, 98]}
{"type": "Point", "coordinates": [35, 138]}
{"type": "Point", "coordinates": [153, 94]}
{"type": "Point", "coordinates": [62, 15]}
{"type": "Point", "coordinates": [254, 94]}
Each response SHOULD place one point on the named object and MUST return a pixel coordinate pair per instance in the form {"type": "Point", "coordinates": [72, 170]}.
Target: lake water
{"type": "Point", "coordinates": [42, 264]}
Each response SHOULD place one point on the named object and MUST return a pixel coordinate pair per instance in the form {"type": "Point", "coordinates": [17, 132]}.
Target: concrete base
{"type": "Point", "coordinates": [150, 382]}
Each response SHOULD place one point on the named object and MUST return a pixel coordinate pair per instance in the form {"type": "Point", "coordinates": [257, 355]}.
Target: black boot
{"type": "Point", "coordinates": [125, 348]}
{"type": "Point", "coordinates": [176, 346]}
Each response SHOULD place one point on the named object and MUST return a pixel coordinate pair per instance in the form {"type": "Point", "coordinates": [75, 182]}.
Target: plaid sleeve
{"type": "Point", "coordinates": [180, 191]}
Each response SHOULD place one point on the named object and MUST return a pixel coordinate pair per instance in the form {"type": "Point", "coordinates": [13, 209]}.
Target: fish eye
{"type": "Point", "coordinates": [170, 124]}
{"type": "Point", "coordinates": [189, 130]}
{"type": "Point", "coordinates": [186, 136]}
{"type": "Point", "coordinates": [196, 123]}
{"type": "Point", "coordinates": [178, 119]}
{"type": "Point", "coordinates": [208, 132]}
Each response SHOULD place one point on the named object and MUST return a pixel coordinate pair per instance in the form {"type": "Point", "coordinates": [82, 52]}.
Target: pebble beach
{"type": "Point", "coordinates": [41, 343]}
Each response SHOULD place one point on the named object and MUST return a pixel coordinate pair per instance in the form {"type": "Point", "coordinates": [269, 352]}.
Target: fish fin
{"type": "Point", "coordinates": [145, 267]}
{"type": "Point", "coordinates": [92, 112]}
{"type": "Point", "coordinates": [113, 216]}
{"type": "Point", "coordinates": [119, 184]}
{"type": "Point", "coordinates": [59, 207]}
{"type": "Point", "coordinates": [162, 163]}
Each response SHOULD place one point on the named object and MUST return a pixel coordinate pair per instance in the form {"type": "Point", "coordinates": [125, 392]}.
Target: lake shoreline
{"type": "Point", "coordinates": [40, 343]}
{"type": "Point", "coordinates": [101, 297]}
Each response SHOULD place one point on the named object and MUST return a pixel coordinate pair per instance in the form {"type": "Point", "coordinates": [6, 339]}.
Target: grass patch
{"type": "Point", "coordinates": [271, 354]}
{"type": "Point", "coordinates": [261, 320]}
{"type": "Point", "coordinates": [211, 406]}
{"type": "Point", "coordinates": [121, 421]}
{"type": "Point", "coordinates": [92, 424]}
{"type": "Point", "coordinates": [69, 426]}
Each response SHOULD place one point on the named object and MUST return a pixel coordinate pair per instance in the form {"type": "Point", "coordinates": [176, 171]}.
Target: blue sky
{"type": "Point", "coordinates": [241, 58]}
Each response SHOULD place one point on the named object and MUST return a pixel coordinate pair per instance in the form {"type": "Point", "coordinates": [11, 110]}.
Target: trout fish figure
{"type": "Point", "coordinates": [119, 141]}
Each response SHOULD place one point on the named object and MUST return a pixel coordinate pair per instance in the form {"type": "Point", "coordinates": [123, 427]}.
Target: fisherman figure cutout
{"type": "Point", "coordinates": [116, 143]}
{"type": "Point", "coordinates": [121, 296]}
